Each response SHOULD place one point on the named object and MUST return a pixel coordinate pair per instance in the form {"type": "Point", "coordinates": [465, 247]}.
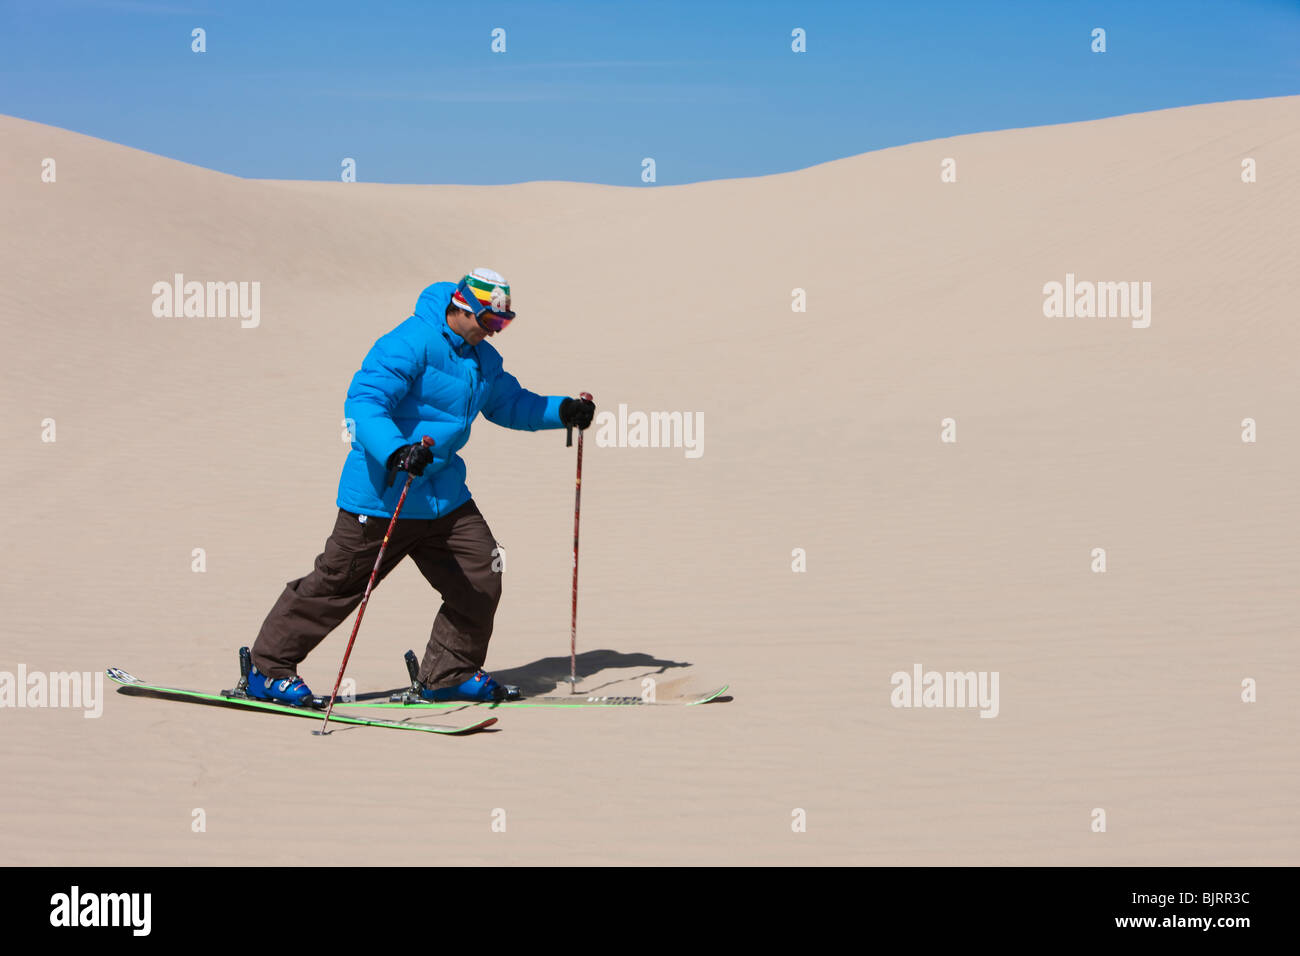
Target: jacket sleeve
{"type": "Point", "coordinates": [387, 374]}
{"type": "Point", "coordinates": [512, 406]}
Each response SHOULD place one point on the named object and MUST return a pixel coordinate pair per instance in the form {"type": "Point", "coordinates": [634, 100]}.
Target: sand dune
{"type": "Point", "coordinates": [1119, 691]}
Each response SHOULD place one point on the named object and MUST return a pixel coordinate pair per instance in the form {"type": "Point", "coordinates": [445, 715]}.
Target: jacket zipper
{"type": "Point", "coordinates": [469, 399]}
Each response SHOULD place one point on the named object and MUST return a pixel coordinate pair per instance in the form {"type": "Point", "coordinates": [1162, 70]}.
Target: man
{"type": "Point", "coordinates": [432, 375]}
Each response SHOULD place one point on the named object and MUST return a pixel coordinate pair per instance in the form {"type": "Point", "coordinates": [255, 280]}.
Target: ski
{"type": "Point", "coordinates": [232, 698]}
{"type": "Point", "coordinates": [411, 699]}
{"type": "Point", "coordinates": [406, 701]}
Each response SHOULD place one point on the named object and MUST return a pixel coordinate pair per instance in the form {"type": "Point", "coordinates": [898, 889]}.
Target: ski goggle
{"type": "Point", "coordinates": [487, 319]}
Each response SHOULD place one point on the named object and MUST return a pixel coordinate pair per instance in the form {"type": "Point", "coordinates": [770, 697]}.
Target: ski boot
{"type": "Point", "coordinates": [284, 690]}
{"type": "Point", "coordinates": [481, 688]}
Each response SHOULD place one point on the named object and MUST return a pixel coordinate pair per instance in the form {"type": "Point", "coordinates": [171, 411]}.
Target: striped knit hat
{"type": "Point", "coordinates": [490, 289]}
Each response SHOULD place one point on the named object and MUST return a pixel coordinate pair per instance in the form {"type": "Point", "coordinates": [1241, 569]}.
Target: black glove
{"type": "Point", "coordinates": [412, 459]}
{"type": "Point", "coordinates": [577, 412]}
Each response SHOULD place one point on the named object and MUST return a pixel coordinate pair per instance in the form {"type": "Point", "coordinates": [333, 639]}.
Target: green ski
{"type": "Point", "coordinates": [228, 698]}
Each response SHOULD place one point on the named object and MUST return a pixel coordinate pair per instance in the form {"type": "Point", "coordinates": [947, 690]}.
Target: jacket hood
{"type": "Point", "coordinates": [431, 307]}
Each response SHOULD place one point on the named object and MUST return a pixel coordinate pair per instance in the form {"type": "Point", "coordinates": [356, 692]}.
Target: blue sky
{"type": "Point", "coordinates": [585, 90]}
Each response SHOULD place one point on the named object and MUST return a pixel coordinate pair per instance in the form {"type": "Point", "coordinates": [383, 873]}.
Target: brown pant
{"type": "Point", "coordinates": [454, 553]}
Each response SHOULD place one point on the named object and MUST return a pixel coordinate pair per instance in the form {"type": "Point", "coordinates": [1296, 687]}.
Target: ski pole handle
{"type": "Point", "coordinates": [568, 429]}
{"type": "Point", "coordinates": [393, 469]}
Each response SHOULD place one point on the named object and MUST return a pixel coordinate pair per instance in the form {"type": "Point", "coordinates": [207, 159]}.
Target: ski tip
{"type": "Point", "coordinates": [474, 728]}
{"type": "Point", "coordinates": [712, 696]}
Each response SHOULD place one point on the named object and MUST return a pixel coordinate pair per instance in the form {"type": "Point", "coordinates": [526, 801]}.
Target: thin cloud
{"type": "Point", "coordinates": [644, 93]}
{"type": "Point", "coordinates": [124, 6]}
{"type": "Point", "coordinates": [589, 64]}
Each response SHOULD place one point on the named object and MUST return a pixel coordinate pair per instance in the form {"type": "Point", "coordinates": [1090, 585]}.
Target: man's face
{"type": "Point", "coordinates": [467, 327]}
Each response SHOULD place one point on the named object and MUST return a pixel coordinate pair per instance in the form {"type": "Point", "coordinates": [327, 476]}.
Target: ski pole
{"type": "Point", "coordinates": [577, 502]}
{"type": "Point", "coordinates": [427, 442]}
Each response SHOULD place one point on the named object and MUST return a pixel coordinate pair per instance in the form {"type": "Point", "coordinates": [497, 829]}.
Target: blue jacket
{"type": "Point", "coordinates": [424, 379]}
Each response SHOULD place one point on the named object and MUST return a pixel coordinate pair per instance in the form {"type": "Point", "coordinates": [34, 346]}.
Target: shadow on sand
{"type": "Point", "coordinates": [541, 676]}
